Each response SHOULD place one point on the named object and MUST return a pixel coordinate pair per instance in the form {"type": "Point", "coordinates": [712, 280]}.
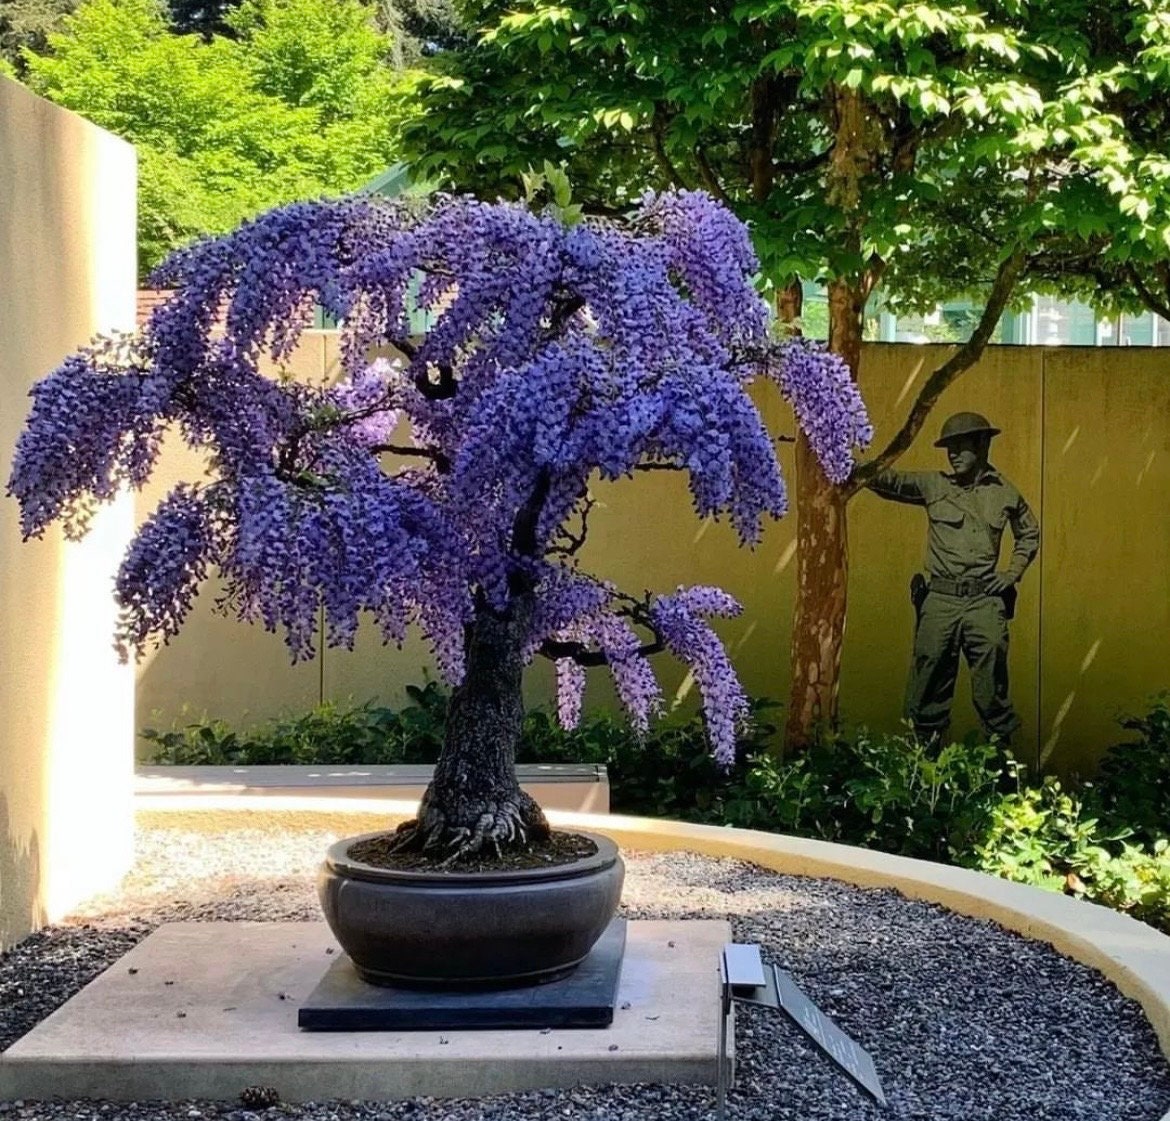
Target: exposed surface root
{"type": "Point", "coordinates": [496, 824]}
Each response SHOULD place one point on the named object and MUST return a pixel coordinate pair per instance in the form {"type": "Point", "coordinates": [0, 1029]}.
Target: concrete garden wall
{"type": "Point", "coordinates": [67, 271]}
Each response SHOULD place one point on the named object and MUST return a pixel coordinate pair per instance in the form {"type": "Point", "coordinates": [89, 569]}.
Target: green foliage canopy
{"type": "Point", "coordinates": [912, 145]}
{"type": "Point", "coordinates": [299, 103]}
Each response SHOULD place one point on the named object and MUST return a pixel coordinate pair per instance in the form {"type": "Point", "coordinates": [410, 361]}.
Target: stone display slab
{"type": "Point", "coordinates": [586, 998]}
{"type": "Point", "coordinates": [201, 1010]}
{"type": "Point", "coordinates": [578, 787]}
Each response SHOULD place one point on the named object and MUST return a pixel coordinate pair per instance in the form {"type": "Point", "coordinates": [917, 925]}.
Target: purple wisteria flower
{"type": "Point", "coordinates": [679, 619]}
{"type": "Point", "coordinates": [451, 482]}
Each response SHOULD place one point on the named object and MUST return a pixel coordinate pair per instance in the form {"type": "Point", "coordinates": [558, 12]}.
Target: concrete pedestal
{"type": "Point", "coordinates": [201, 1010]}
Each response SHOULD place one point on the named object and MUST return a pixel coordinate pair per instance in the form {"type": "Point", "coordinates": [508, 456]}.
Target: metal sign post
{"type": "Point", "coordinates": [747, 980]}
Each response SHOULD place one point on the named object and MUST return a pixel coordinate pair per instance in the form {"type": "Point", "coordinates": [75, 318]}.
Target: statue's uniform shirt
{"type": "Point", "coordinates": [964, 537]}
{"type": "Point", "coordinates": [966, 523]}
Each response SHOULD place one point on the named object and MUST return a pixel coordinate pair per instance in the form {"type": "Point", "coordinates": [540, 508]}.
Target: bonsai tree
{"type": "Point", "coordinates": [444, 481]}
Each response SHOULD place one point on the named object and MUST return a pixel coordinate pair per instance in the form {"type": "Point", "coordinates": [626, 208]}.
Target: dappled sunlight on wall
{"type": "Point", "coordinates": [1055, 728]}
{"type": "Point", "coordinates": [1106, 545]}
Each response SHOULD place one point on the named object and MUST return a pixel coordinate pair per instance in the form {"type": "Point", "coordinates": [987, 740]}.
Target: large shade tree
{"type": "Point", "coordinates": [924, 150]}
{"type": "Point", "coordinates": [299, 101]}
{"type": "Point", "coordinates": [450, 486]}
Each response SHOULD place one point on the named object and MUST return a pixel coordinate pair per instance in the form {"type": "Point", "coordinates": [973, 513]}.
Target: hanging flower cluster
{"type": "Point", "coordinates": [556, 354]}
{"type": "Point", "coordinates": [679, 619]}
{"type": "Point", "coordinates": [826, 402]}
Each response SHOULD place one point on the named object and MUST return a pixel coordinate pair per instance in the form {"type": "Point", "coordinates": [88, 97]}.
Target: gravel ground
{"type": "Point", "coordinates": [966, 1022]}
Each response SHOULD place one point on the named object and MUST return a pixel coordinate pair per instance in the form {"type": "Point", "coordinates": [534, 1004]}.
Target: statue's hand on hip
{"type": "Point", "coordinates": [999, 582]}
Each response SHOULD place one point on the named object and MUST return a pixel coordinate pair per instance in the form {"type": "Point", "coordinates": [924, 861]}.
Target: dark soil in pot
{"type": "Point", "coordinates": [557, 848]}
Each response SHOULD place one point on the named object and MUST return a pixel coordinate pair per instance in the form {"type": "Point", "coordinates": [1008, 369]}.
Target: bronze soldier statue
{"type": "Point", "coordinates": [964, 603]}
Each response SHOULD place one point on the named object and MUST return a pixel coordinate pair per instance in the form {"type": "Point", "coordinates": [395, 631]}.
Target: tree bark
{"type": "Point", "coordinates": [822, 558]}
{"type": "Point", "coordinates": [474, 799]}
{"type": "Point", "coordinates": [790, 305]}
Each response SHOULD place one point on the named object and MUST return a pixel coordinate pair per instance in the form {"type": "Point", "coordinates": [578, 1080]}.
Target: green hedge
{"type": "Point", "coordinates": [968, 804]}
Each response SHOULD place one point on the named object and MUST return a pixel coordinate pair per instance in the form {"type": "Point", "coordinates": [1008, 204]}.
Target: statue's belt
{"type": "Point", "coordinates": [976, 587]}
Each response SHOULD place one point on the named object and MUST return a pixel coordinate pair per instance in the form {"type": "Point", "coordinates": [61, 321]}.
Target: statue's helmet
{"type": "Point", "coordinates": [964, 424]}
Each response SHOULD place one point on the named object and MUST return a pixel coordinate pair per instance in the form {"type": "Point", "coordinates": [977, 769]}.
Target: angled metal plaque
{"type": "Point", "coordinates": [747, 980]}
{"type": "Point", "coordinates": [850, 1056]}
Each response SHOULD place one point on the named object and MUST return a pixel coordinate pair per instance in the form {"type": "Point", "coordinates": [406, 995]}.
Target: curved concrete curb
{"type": "Point", "coordinates": [1134, 956]}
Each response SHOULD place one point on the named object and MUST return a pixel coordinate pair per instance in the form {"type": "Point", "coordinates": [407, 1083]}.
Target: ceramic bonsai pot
{"type": "Point", "coordinates": [442, 929]}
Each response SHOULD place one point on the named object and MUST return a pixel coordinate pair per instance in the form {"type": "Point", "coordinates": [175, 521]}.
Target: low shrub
{"type": "Point", "coordinates": [668, 773]}
{"type": "Point", "coordinates": [966, 803]}
{"type": "Point", "coordinates": [1132, 785]}
{"type": "Point", "coordinates": [328, 735]}
{"type": "Point", "coordinates": [886, 792]}
{"type": "Point", "coordinates": [1047, 836]}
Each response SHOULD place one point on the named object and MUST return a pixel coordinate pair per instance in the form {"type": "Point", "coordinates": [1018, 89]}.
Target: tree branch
{"type": "Point", "coordinates": [439, 459]}
{"type": "Point", "coordinates": [409, 350]}
{"type": "Point", "coordinates": [563, 311]}
{"type": "Point", "coordinates": [1162, 268]}
{"type": "Point", "coordinates": [872, 275]}
{"type": "Point", "coordinates": [440, 390]}
{"type": "Point", "coordinates": [802, 167]}
{"type": "Point", "coordinates": [597, 209]}
{"type": "Point", "coordinates": [637, 610]}
{"type": "Point", "coordinates": [708, 177]}
{"type": "Point", "coordinates": [904, 142]}
{"type": "Point", "coordinates": [433, 391]}
{"type": "Point", "coordinates": [528, 516]}
{"type": "Point", "coordinates": [573, 542]}
{"type": "Point", "coordinates": [1148, 296]}
{"type": "Point", "coordinates": [385, 405]}
{"type": "Point", "coordinates": [963, 358]}
{"type": "Point", "coordinates": [658, 141]}
{"type": "Point", "coordinates": [583, 656]}
{"type": "Point", "coordinates": [763, 137]}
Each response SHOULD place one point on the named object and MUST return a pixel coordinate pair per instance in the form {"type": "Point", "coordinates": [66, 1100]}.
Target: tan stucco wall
{"type": "Point", "coordinates": [1085, 437]}
{"type": "Point", "coordinates": [1106, 610]}
{"type": "Point", "coordinates": [67, 271]}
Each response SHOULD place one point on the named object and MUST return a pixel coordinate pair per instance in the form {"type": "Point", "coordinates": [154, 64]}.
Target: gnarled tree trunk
{"type": "Point", "coordinates": [474, 799]}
